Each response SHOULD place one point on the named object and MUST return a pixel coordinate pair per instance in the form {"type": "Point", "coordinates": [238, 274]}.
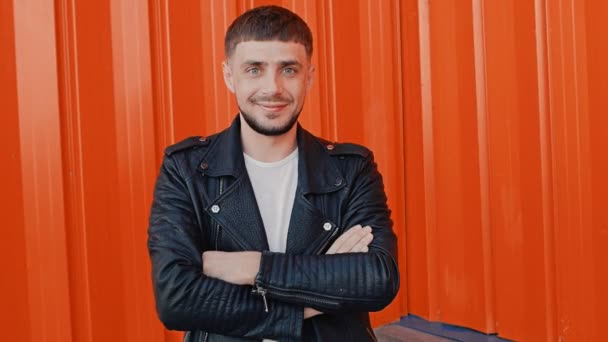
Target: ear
{"type": "Point", "coordinates": [310, 76]}
{"type": "Point", "coordinates": [228, 76]}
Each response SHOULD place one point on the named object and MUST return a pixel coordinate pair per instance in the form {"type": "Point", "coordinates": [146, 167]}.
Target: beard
{"type": "Point", "coordinates": [271, 131]}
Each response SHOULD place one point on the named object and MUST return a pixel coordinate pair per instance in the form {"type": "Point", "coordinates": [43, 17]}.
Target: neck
{"type": "Point", "coordinates": [265, 148]}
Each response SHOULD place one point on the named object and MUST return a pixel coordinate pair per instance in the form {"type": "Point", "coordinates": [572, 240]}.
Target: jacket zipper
{"type": "Point", "coordinates": [217, 226]}
{"type": "Point", "coordinates": [326, 242]}
{"type": "Point", "coordinates": [278, 293]}
{"type": "Point", "coordinates": [205, 337]}
{"type": "Point", "coordinates": [261, 291]}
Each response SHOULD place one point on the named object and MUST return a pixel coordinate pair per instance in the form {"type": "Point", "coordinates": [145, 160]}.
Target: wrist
{"type": "Point", "coordinates": [254, 269]}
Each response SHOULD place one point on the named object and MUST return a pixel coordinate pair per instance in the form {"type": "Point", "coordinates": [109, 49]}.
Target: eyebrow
{"type": "Point", "coordinates": [290, 63]}
{"type": "Point", "coordinates": [250, 62]}
{"type": "Point", "coordinates": [283, 64]}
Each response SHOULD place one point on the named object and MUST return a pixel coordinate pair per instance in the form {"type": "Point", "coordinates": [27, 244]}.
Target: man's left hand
{"type": "Point", "coordinates": [238, 268]}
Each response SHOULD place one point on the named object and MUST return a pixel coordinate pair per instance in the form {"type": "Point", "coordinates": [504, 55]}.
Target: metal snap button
{"type": "Point", "coordinates": [327, 226]}
{"type": "Point", "coordinates": [330, 147]}
{"type": "Point", "coordinates": [215, 208]}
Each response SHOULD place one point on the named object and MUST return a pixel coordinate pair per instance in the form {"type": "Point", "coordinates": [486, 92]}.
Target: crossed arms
{"type": "Point", "coordinates": [212, 291]}
{"type": "Point", "coordinates": [241, 268]}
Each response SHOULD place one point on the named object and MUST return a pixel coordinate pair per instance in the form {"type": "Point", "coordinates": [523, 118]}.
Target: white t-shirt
{"type": "Point", "coordinates": [274, 185]}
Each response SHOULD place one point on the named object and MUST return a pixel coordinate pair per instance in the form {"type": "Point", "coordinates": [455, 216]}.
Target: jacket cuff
{"type": "Point", "coordinates": [265, 272]}
{"type": "Point", "coordinates": [292, 315]}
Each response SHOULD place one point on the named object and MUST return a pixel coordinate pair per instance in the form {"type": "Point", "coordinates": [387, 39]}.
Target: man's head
{"type": "Point", "coordinates": [268, 67]}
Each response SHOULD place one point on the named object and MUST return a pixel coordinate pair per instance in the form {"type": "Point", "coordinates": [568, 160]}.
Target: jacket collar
{"type": "Point", "coordinates": [317, 172]}
{"type": "Point", "coordinates": [225, 155]}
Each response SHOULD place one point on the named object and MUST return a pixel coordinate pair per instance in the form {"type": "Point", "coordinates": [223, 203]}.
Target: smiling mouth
{"type": "Point", "coordinates": [272, 106]}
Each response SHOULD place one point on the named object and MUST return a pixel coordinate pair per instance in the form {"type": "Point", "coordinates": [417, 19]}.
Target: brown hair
{"type": "Point", "coordinates": [268, 23]}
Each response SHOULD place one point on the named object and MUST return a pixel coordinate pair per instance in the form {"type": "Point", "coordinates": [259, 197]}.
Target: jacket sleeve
{"type": "Point", "coordinates": [185, 298]}
{"type": "Point", "coordinates": [342, 282]}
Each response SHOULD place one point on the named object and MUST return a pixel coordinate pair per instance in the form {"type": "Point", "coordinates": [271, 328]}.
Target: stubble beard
{"type": "Point", "coordinates": [271, 131]}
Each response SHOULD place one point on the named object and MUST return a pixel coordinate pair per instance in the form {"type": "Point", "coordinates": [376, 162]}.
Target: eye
{"type": "Point", "coordinates": [253, 71]}
{"type": "Point", "coordinates": [290, 71]}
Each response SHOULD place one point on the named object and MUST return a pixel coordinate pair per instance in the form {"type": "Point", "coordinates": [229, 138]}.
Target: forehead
{"type": "Point", "coordinates": [273, 51]}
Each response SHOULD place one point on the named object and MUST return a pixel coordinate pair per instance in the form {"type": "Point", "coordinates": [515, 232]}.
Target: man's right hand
{"type": "Point", "coordinates": [354, 240]}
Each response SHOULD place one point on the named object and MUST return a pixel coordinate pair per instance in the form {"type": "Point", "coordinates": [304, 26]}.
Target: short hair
{"type": "Point", "coordinates": [266, 23]}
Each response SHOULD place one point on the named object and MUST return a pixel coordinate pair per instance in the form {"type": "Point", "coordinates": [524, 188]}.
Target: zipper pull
{"type": "Point", "coordinates": [261, 291]}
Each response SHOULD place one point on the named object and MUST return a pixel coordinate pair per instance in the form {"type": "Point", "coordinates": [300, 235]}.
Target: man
{"type": "Point", "coordinates": [264, 231]}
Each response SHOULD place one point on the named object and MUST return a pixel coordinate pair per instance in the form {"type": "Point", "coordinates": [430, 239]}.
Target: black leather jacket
{"type": "Point", "coordinates": [203, 200]}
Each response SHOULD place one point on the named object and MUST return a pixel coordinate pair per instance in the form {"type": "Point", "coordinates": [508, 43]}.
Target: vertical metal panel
{"type": "Point", "coordinates": [41, 170]}
{"type": "Point", "coordinates": [577, 85]}
{"type": "Point", "coordinates": [596, 67]}
{"type": "Point", "coordinates": [90, 142]}
{"type": "Point", "coordinates": [516, 191]}
{"type": "Point", "coordinates": [135, 162]}
{"type": "Point", "coordinates": [13, 260]}
{"type": "Point", "coordinates": [418, 209]}
{"type": "Point", "coordinates": [487, 118]}
{"type": "Point", "coordinates": [460, 298]}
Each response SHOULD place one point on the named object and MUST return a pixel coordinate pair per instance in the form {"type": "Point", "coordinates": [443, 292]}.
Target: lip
{"type": "Point", "coordinates": [273, 107]}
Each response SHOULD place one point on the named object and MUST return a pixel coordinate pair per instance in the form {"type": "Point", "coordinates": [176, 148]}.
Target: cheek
{"type": "Point", "coordinates": [299, 91]}
{"type": "Point", "coordinates": [243, 93]}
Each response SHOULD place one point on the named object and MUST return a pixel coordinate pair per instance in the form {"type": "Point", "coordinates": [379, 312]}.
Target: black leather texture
{"type": "Point", "coordinates": [203, 200]}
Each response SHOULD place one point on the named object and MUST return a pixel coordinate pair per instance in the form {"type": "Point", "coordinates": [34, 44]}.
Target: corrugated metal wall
{"type": "Point", "coordinates": [488, 120]}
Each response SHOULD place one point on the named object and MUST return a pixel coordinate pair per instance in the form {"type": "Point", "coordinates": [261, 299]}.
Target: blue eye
{"type": "Point", "coordinates": [253, 71]}
{"type": "Point", "coordinates": [289, 71]}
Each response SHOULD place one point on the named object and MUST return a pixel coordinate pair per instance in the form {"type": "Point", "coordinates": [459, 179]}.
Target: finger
{"type": "Point", "coordinates": [349, 241]}
{"type": "Point", "coordinates": [342, 238]}
{"type": "Point", "coordinates": [352, 240]}
{"type": "Point", "coordinates": [364, 239]}
{"type": "Point", "coordinates": [363, 244]}
{"type": "Point", "coordinates": [355, 242]}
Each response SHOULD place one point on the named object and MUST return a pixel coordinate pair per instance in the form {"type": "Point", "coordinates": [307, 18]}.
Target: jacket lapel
{"type": "Point", "coordinates": [236, 209]}
{"type": "Point", "coordinates": [309, 228]}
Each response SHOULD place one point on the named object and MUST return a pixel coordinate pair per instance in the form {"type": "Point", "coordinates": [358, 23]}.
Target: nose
{"type": "Point", "coordinates": [273, 84]}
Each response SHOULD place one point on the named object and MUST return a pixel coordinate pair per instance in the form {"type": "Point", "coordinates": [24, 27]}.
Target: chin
{"type": "Point", "coordinates": [271, 123]}
{"type": "Point", "coordinates": [272, 128]}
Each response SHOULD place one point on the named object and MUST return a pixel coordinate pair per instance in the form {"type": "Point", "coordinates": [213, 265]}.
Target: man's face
{"type": "Point", "coordinates": [270, 80]}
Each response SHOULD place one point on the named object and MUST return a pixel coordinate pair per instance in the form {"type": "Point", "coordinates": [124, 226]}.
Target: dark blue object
{"type": "Point", "coordinates": [449, 331]}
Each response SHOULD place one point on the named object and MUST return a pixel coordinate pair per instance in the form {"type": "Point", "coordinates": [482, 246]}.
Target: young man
{"type": "Point", "coordinates": [264, 231]}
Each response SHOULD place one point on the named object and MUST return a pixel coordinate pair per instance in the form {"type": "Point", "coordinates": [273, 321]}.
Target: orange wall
{"type": "Point", "coordinates": [488, 120]}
